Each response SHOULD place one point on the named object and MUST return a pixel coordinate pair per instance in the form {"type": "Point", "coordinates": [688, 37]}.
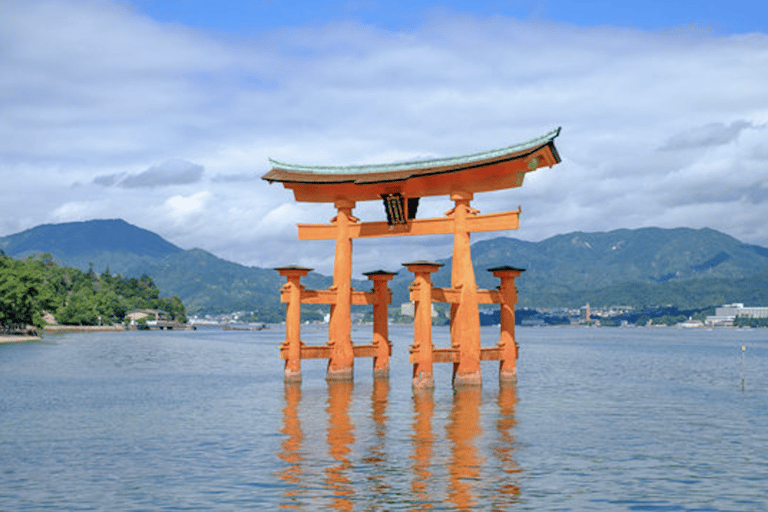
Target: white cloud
{"type": "Point", "coordinates": [658, 128]}
{"type": "Point", "coordinates": [181, 208]}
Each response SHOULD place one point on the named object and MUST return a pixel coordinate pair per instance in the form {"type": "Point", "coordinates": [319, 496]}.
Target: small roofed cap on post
{"type": "Point", "coordinates": [379, 273]}
{"type": "Point", "coordinates": [294, 269]}
{"type": "Point", "coordinates": [505, 267]}
{"type": "Point", "coordinates": [423, 263]}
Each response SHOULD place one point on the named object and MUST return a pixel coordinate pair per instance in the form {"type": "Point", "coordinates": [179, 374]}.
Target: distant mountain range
{"type": "Point", "coordinates": [637, 267]}
{"type": "Point", "coordinates": [641, 267]}
{"type": "Point", "coordinates": [204, 282]}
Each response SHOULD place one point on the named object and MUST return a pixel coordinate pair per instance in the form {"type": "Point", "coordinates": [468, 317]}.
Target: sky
{"type": "Point", "coordinates": [164, 114]}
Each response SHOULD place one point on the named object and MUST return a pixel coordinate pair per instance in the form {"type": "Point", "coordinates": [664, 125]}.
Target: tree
{"type": "Point", "coordinates": [19, 289]}
{"type": "Point", "coordinates": [174, 307]}
{"type": "Point", "coordinates": [30, 287]}
{"type": "Point", "coordinates": [80, 309]}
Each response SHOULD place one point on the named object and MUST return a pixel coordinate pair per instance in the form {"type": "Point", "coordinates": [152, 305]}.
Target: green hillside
{"type": "Point", "coordinates": [207, 284]}
{"type": "Point", "coordinates": [101, 243]}
{"type": "Point", "coordinates": [642, 268]}
{"type": "Point", "coordinates": [32, 286]}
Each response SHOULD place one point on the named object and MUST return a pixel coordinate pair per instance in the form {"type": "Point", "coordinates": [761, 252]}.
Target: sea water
{"type": "Point", "coordinates": [641, 419]}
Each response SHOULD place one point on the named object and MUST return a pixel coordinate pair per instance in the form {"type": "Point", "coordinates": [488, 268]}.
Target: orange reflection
{"type": "Point", "coordinates": [290, 449]}
{"type": "Point", "coordinates": [377, 455]}
{"type": "Point", "coordinates": [509, 491]}
{"type": "Point", "coordinates": [340, 438]}
{"type": "Point", "coordinates": [465, 464]}
{"type": "Point", "coordinates": [423, 439]}
{"type": "Point", "coordinates": [471, 467]}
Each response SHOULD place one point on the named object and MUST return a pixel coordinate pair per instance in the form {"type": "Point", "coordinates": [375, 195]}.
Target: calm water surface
{"type": "Point", "coordinates": [601, 419]}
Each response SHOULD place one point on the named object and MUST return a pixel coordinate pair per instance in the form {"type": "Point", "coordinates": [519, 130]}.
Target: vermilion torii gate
{"type": "Point", "coordinates": [400, 186]}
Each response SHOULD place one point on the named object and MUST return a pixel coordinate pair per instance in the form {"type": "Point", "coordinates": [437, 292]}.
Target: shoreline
{"type": "Point", "coordinates": [18, 338]}
{"type": "Point", "coordinates": [84, 328]}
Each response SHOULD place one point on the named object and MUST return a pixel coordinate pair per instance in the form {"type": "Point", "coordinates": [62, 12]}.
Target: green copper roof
{"type": "Point", "coordinates": [418, 164]}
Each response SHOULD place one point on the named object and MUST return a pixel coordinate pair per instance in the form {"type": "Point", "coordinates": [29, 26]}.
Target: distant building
{"type": "Point", "coordinates": [726, 314]}
{"type": "Point", "coordinates": [739, 310]}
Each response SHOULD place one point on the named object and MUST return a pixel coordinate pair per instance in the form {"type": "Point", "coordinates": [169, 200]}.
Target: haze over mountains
{"type": "Point", "coordinates": [640, 267]}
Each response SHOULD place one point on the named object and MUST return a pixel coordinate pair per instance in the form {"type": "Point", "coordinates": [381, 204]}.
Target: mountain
{"type": "Point", "coordinates": [640, 255]}
{"type": "Point", "coordinates": [113, 243]}
{"type": "Point", "coordinates": [208, 284]}
{"type": "Point", "coordinates": [648, 266]}
{"type": "Point", "coordinates": [204, 282]}
{"type": "Point", "coordinates": [639, 267]}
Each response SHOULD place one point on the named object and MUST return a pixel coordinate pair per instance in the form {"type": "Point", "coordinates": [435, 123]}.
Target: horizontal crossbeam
{"type": "Point", "coordinates": [324, 351]}
{"type": "Point", "coordinates": [451, 355]}
{"type": "Point", "coordinates": [329, 297]}
{"type": "Point", "coordinates": [453, 296]}
{"type": "Point", "coordinates": [437, 226]}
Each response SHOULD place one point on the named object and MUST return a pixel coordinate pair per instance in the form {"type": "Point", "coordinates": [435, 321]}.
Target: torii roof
{"type": "Point", "coordinates": [496, 169]}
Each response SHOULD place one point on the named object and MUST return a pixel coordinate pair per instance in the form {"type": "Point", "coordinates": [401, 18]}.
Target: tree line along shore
{"type": "Point", "coordinates": [36, 292]}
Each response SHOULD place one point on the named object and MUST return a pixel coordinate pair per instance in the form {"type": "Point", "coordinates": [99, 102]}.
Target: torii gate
{"type": "Point", "coordinates": [400, 186]}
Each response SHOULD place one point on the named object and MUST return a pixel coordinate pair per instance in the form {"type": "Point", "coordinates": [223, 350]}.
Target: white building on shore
{"type": "Point", "coordinates": [726, 314]}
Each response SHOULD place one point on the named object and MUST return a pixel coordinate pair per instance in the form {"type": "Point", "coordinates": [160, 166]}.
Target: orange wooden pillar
{"type": "Point", "coordinates": [291, 347]}
{"type": "Point", "coordinates": [382, 298]}
{"type": "Point", "coordinates": [508, 293]}
{"type": "Point", "coordinates": [465, 316]}
{"type": "Point", "coordinates": [341, 361]}
{"type": "Point", "coordinates": [421, 350]}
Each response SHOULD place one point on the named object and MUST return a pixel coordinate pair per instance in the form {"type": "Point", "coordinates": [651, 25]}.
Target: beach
{"type": "Point", "coordinates": [17, 338]}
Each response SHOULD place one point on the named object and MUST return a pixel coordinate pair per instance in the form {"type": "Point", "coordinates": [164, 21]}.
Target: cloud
{"type": "Point", "coordinates": [181, 208]}
{"type": "Point", "coordinates": [234, 178]}
{"type": "Point", "coordinates": [652, 132]}
{"type": "Point", "coordinates": [108, 180]}
{"type": "Point", "coordinates": [712, 134]}
{"type": "Point", "coordinates": [170, 172]}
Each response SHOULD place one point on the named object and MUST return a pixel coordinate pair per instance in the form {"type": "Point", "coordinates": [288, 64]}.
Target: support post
{"type": "Point", "coordinates": [465, 316]}
{"type": "Point", "coordinates": [342, 359]}
{"type": "Point", "coordinates": [383, 297]}
{"type": "Point", "coordinates": [508, 293]}
{"type": "Point", "coordinates": [292, 343]}
{"type": "Point", "coordinates": [421, 350]}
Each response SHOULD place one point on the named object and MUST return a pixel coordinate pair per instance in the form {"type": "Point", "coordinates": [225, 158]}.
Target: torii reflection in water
{"type": "Point", "coordinates": [463, 460]}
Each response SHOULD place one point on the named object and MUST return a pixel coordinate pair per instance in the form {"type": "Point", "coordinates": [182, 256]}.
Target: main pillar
{"type": "Point", "coordinates": [382, 298]}
{"type": "Point", "coordinates": [508, 292]}
{"type": "Point", "coordinates": [342, 358]}
{"type": "Point", "coordinates": [292, 343]}
{"type": "Point", "coordinates": [421, 350]}
{"type": "Point", "coordinates": [465, 316]}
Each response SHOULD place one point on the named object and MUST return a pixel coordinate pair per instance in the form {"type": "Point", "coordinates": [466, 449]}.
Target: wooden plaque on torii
{"type": "Point", "coordinates": [400, 186]}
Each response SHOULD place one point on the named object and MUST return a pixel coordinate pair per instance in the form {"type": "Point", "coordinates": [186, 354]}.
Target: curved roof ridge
{"type": "Point", "coordinates": [418, 164]}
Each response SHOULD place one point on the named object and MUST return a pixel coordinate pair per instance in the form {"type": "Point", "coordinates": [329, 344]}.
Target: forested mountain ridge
{"type": "Point", "coordinates": [636, 267]}
{"type": "Point", "coordinates": [111, 243]}
{"type": "Point", "coordinates": [204, 282]}
{"type": "Point", "coordinates": [639, 255]}
{"type": "Point", "coordinates": [208, 284]}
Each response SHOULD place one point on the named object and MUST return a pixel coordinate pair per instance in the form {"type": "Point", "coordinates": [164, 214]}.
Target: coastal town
{"type": "Point", "coordinates": [725, 316]}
